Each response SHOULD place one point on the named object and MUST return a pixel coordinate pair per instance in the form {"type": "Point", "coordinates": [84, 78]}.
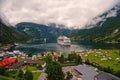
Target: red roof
{"type": "Point", "coordinates": [8, 61]}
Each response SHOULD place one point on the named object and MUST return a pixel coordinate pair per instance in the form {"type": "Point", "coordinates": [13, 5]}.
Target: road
{"type": "Point", "coordinates": [42, 76]}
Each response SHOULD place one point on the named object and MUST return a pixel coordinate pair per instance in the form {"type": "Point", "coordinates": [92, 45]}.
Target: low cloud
{"type": "Point", "coordinates": [102, 18]}
{"type": "Point", "coordinates": [71, 13]}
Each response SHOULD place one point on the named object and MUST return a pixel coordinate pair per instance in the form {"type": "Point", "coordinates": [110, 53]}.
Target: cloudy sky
{"type": "Point", "coordinates": [71, 13]}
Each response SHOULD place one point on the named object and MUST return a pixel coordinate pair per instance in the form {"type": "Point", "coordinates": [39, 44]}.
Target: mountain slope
{"type": "Point", "coordinates": [39, 31]}
{"type": "Point", "coordinates": [109, 31]}
{"type": "Point", "coordinates": [9, 35]}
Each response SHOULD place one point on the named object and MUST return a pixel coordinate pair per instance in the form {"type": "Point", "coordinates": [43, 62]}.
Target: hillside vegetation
{"type": "Point", "coordinates": [108, 32]}
{"type": "Point", "coordinates": [40, 31]}
{"type": "Point", "coordinates": [10, 35]}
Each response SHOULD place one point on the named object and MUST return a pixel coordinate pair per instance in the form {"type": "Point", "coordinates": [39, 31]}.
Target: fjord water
{"type": "Point", "coordinates": [38, 47]}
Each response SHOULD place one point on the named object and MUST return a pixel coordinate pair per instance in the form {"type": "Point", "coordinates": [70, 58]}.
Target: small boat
{"type": "Point", "coordinates": [63, 40]}
{"type": "Point", "coordinates": [16, 44]}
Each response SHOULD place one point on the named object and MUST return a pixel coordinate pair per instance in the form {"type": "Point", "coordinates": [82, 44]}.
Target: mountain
{"type": "Point", "coordinates": [39, 31]}
{"type": "Point", "coordinates": [104, 31]}
{"type": "Point", "coordinates": [10, 35]}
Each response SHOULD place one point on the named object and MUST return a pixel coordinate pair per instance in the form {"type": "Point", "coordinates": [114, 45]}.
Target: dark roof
{"type": "Point", "coordinates": [27, 61]}
{"type": "Point", "coordinates": [88, 72]}
{"type": "Point", "coordinates": [106, 76]}
{"type": "Point", "coordinates": [17, 65]}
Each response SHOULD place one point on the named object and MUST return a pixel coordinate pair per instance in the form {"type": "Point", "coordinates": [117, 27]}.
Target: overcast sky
{"type": "Point", "coordinates": [71, 13]}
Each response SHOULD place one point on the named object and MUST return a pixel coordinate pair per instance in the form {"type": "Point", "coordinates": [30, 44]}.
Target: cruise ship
{"type": "Point", "coordinates": [63, 40]}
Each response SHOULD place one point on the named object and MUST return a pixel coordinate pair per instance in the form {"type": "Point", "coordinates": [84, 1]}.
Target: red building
{"type": "Point", "coordinates": [8, 61]}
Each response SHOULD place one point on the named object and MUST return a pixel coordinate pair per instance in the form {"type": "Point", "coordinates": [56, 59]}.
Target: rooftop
{"type": "Point", "coordinates": [106, 76]}
{"type": "Point", "coordinates": [23, 62]}
{"type": "Point", "coordinates": [87, 72]}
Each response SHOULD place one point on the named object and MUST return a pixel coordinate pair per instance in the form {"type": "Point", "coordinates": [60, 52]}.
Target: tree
{"type": "Point", "coordinates": [69, 75]}
{"type": "Point", "coordinates": [48, 59]}
{"type": "Point", "coordinates": [54, 71]}
{"type": "Point", "coordinates": [2, 71]}
{"type": "Point", "coordinates": [72, 56]}
{"type": "Point", "coordinates": [39, 67]}
{"type": "Point", "coordinates": [118, 73]}
{"type": "Point", "coordinates": [20, 75]}
{"type": "Point", "coordinates": [109, 69]}
{"type": "Point", "coordinates": [42, 54]}
{"type": "Point", "coordinates": [29, 55]}
{"type": "Point", "coordinates": [87, 62]}
{"type": "Point", "coordinates": [61, 59]}
{"type": "Point", "coordinates": [28, 75]}
{"type": "Point", "coordinates": [78, 60]}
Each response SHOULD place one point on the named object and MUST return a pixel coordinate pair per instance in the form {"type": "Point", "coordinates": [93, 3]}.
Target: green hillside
{"type": "Point", "coordinates": [108, 32]}
{"type": "Point", "coordinates": [39, 31]}
{"type": "Point", "coordinates": [10, 35]}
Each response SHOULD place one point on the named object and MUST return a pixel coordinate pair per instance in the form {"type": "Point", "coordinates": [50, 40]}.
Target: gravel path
{"type": "Point", "coordinates": [42, 76]}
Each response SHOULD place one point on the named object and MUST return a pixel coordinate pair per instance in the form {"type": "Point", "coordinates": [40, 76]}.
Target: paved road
{"type": "Point", "coordinates": [37, 71]}
{"type": "Point", "coordinates": [42, 76]}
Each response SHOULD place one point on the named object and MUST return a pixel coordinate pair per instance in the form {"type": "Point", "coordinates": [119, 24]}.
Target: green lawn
{"type": "Point", "coordinates": [5, 78]}
{"type": "Point", "coordinates": [32, 68]}
{"type": "Point", "coordinates": [110, 55]}
{"type": "Point", "coordinates": [36, 75]}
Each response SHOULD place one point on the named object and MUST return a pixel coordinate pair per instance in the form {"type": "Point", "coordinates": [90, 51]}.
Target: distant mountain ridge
{"type": "Point", "coordinates": [109, 31]}
{"type": "Point", "coordinates": [10, 35]}
{"type": "Point", "coordinates": [40, 31]}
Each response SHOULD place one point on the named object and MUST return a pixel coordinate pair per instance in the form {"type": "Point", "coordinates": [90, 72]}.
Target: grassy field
{"type": "Point", "coordinates": [32, 68]}
{"type": "Point", "coordinates": [5, 78]}
{"type": "Point", "coordinates": [104, 58]}
{"type": "Point", "coordinates": [36, 75]}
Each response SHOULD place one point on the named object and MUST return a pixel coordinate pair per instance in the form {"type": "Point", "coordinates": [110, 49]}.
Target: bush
{"type": "Point", "coordinates": [28, 75]}
{"type": "Point", "coordinates": [2, 71]}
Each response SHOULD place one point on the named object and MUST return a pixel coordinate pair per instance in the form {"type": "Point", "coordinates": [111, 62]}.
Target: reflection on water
{"type": "Point", "coordinates": [38, 48]}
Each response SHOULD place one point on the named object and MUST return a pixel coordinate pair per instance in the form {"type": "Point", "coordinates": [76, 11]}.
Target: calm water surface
{"type": "Point", "coordinates": [35, 48]}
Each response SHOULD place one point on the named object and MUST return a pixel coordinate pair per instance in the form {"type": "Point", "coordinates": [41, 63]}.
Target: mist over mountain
{"type": "Point", "coordinates": [99, 20]}
{"type": "Point", "coordinates": [71, 13]}
{"type": "Point", "coordinates": [59, 39]}
{"type": "Point", "coordinates": [10, 35]}
{"type": "Point", "coordinates": [106, 30]}
{"type": "Point", "coordinates": [40, 31]}
{"type": "Point", "coordinates": [53, 24]}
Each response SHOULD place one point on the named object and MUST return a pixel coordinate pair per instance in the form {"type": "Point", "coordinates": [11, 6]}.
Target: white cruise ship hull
{"type": "Point", "coordinates": [64, 41]}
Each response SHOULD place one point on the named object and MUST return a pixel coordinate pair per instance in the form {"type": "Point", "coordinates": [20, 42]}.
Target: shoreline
{"type": "Point", "coordinates": [7, 47]}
